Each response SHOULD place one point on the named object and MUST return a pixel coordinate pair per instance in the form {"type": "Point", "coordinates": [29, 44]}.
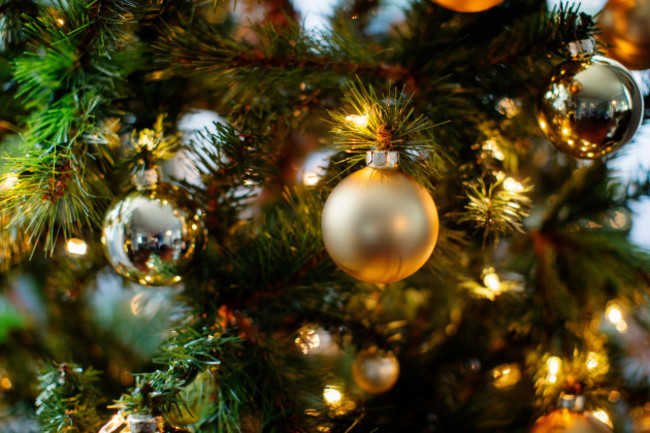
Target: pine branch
{"type": "Point", "coordinates": [497, 210]}
{"type": "Point", "coordinates": [68, 399]}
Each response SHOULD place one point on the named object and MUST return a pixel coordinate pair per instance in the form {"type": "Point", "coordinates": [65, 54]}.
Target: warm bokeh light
{"type": "Point", "coordinates": [615, 317]}
{"type": "Point", "coordinates": [512, 185]}
{"type": "Point", "coordinates": [332, 395]}
{"type": "Point", "coordinates": [614, 314]}
{"type": "Point", "coordinates": [553, 364]}
{"type": "Point", "coordinates": [76, 247]}
{"type": "Point", "coordinates": [592, 361]}
{"type": "Point", "coordinates": [360, 121]}
{"type": "Point", "coordinates": [491, 281]}
{"type": "Point", "coordinates": [311, 178]}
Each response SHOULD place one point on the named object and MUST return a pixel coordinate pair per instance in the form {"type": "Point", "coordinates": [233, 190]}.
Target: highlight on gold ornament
{"type": "Point", "coordinates": [506, 376]}
{"type": "Point", "coordinates": [468, 5]}
{"type": "Point", "coordinates": [571, 417]}
{"type": "Point", "coordinates": [591, 106]}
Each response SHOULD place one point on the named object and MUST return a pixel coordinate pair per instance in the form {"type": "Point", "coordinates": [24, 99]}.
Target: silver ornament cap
{"type": "Point", "coordinates": [583, 49]}
{"type": "Point", "coordinates": [382, 159]}
{"type": "Point", "coordinates": [145, 423]}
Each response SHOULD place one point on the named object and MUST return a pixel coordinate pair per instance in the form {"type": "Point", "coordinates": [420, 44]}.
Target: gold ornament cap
{"type": "Point", "coordinates": [581, 50]}
{"type": "Point", "coordinates": [382, 159]}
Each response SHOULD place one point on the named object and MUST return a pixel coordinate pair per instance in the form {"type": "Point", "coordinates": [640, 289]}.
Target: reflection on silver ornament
{"type": "Point", "coordinates": [379, 224]}
{"type": "Point", "coordinates": [153, 234]}
{"type": "Point", "coordinates": [592, 105]}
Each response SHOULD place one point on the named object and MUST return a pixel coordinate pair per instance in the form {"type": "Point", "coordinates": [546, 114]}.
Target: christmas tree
{"type": "Point", "coordinates": [218, 218]}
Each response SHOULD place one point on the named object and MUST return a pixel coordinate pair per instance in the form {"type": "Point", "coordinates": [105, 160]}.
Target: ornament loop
{"type": "Point", "coordinates": [382, 159]}
{"type": "Point", "coordinates": [582, 49]}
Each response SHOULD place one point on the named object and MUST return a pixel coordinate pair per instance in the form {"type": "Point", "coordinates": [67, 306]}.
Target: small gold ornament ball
{"type": "Point", "coordinates": [625, 25]}
{"type": "Point", "coordinates": [151, 236]}
{"type": "Point", "coordinates": [380, 225]}
{"type": "Point", "coordinates": [375, 371]}
{"type": "Point", "coordinates": [642, 422]}
{"type": "Point", "coordinates": [566, 421]}
{"type": "Point", "coordinates": [468, 5]}
{"type": "Point", "coordinates": [590, 108]}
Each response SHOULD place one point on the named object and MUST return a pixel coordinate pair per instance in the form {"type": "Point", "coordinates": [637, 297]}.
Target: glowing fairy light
{"type": "Point", "coordinates": [512, 185]}
{"type": "Point", "coordinates": [359, 121]}
{"type": "Point", "coordinates": [76, 247]}
{"type": "Point", "coordinates": [9, 181]}
{"type": "Point", "coordinates": [332, 395]}
{"type": "Point", "coordinates": [491, 281]}
{"type": "Point", "coordinates": [311, 178]}
{"type": "Point", "coordinates": [592, 362]}
{"type": "Point", "coordinates": [615, 317]}
{"type": "Point", "coordinates": [614, 314]}
{"type": "Point", "coordinates": [553, 364]}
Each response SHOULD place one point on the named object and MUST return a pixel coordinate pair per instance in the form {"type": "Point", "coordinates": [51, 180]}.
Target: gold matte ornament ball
{"type": "Point", "coordinates": [566, 421]}
{"type": "Point", "coordinates": [152, 235]}
{"type": "Point", "coordinates": [642, 422]}
{"type": "Point", "coordinates": [590, 108]}
{"type": "Point", "coordinates": [375, 371]}
{"type": "Point", "coordinates": [625, 25]}
{"type": "Point", "coordinates": [380, 225]}
{"type": "Point", "coordinates": [468, 5]}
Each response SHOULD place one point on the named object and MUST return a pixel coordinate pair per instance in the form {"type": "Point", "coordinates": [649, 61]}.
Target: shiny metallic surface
{"type": "Point", "coordinates": [380, 225]}
{"type": "Point", "coordinates": [468, 5]}
{"type": "Point", "coordinates": [375, 371]}
{"type": "Point", "coordinates": [590, 108]}
{"type": "Point", "coordinates": [152, 235]}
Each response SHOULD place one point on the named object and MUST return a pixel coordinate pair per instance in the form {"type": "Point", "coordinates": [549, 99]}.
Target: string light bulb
{"type": "Point", "coordinates": [359, 121]}
{"type": "Point", "coordinates": [614, 315]}
{"type": "Point", "coordinates": [512, 185]}
{"type": "Point", "coordinates": [553, 365]}
{"type": "Point", "coordinates": [592, 362]}
{"type": "Point", "coordinates": [491, 280]}
{"type": "Point", "coordinates": [76, 247]}
{"type": "Point", "coordinates": [332, 395]}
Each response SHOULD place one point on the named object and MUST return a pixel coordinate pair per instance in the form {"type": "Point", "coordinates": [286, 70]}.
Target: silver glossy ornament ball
{"type": "Point", "coordinates": [153, 234]}
{"type": "Point", "coordinates": [591, 107]}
